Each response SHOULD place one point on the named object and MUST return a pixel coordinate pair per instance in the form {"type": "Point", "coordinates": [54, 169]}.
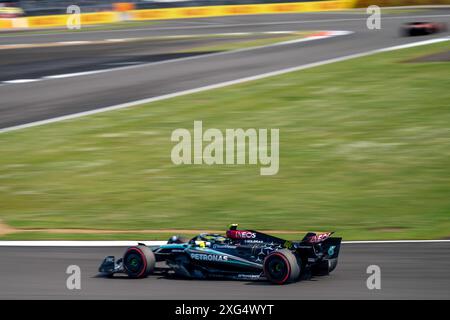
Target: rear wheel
{"type": "Point", "coordinates": [281, 267]}
{"type": "Point", "coordinates": [139, 261]}
{"type": "Point", "coordinates": [332, 264]}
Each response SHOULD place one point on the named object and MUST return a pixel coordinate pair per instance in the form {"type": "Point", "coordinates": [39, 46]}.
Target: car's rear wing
{"type": "Point", "coordinates": [313, 238]}
{"type": "Point", "coordinates": [331, 247]}
{"type": "Point", "coordinates": [324, 247]}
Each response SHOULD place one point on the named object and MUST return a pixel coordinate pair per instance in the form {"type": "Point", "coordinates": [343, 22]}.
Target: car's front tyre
{"type": "Point", "coordinates": [139, 261]}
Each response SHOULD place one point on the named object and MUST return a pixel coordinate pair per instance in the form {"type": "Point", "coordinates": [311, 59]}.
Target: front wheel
{"type": "Point", "coordinates": [139, 261]}
{"type": "Point", "coordinates": [281, 267]}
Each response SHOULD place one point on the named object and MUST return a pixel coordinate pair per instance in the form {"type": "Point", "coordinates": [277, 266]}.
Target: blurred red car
{"type": "Point", "coordinates": [422, 28]}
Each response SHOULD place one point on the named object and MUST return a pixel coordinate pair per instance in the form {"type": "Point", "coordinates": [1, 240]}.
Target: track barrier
{"type": "Point", "coordinates": [125, 12]}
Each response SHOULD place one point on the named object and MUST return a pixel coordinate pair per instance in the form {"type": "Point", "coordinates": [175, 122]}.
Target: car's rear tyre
{"type": "Point", "coordinates": [405, 32]}
{"type": "Point", "coordinates": [139, 261]}
{"type": "Point", "coordinates": [281, 267]}
{"type": "Point", "coordinates": [332, 263]}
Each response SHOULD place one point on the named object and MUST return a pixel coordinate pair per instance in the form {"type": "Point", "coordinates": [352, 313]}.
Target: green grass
{"type": "Point", "coordinates": [364, 151]}
{"type": "Point", "coordinates": [28, 236]}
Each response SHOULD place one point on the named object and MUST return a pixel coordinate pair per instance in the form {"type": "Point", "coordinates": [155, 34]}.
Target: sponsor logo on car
{"type": "Point", "coordinates": [248, 276]}
{"type": "Point", "coordinates": [223, 246]}
{"type": "Point", "coordinates": [208, 257]}
{"type": "Point", "coordinates": [245, 235]}
{"type": "Point", "coordinates": [253, 241]}
{"type": "Point", "coordinates": [319, 237]}
{"type": "Point", "coordinates": [331, 250]}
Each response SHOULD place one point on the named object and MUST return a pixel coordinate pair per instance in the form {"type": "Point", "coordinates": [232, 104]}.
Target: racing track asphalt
{"type": "Point", "coordinates": [29, 102]}
{"type": "Point", "coordinates": [408, 271]}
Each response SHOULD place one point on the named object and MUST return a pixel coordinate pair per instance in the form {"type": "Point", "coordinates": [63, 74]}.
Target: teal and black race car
{"type": "Point", "coordinates": [241, 254]}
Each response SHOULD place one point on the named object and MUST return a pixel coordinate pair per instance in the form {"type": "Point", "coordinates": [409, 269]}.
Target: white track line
{"type": "Point", "coordinates": [18, 81]}
{"type": "Point", "coordinates": [126, 243]}
{"type": "Point", "coordinates": [78, 243]}
{"type": "Point", "coordinates": [70, 75]}
{"type": "Point", "coordinates": [219, 85]}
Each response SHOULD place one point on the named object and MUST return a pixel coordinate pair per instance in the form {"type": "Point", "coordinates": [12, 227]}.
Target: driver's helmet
{"type": "Point", "coordinates": [211, 238]}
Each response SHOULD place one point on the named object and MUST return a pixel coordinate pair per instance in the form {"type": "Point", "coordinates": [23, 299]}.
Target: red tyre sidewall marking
{"type": "Point", "coordinates": [143, 259]}
{"type": "Point", "coordinates": [287, 265]}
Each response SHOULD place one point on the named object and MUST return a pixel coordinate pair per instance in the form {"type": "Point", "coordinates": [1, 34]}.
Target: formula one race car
{"type": "Point", "coordinates": [241, 254]}
{"type": "Point", "coordinates": [422, 28]}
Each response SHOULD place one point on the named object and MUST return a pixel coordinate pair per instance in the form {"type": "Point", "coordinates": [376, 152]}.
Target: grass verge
{"type": "Point", "coordinates": [364, 151]}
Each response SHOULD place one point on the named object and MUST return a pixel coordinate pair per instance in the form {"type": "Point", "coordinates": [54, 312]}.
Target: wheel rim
{"type": "Point", "coordinates": [277, 268]}
{"type": "Point", "coordinates": [133, 263]}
